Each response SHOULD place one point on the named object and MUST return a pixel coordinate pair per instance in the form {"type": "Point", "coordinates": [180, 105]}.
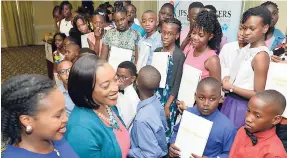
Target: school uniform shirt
{"type": "Point", "coordinates": [148, 131]}
{"type": "Point", "coordinates": [268, 145]}
{"type": "Point", "coordinates": [227, 55]}
{"type": "Point", "coordinates": [138, 29]}
{"type": "Point", "coordinates": [65, 26]}
{"type": "Point", "coordinates": [62, 146]}
{"type": "Point", "coordinates": [277, 38]}
{"type": "Point", "coordinates": [154, 42]}
{"type": "Point", "coordinates": [221, 136]}
{"type": "Point", "coordinates": [127, 104]}
{"type": "Point", "coordinates": [68, 101]}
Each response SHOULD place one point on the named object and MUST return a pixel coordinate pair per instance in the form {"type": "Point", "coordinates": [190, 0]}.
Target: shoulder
{"type": "Point", "coordinates": [276, 148]}
{"type": "Point", "coordinates": [278, 33]}
{"type": "Point", "coordinates": [12, 152]}
{"type": "Point", "coordinates": [178, 52]}
{"type": "Point", "coordinates": [225, 122]}
{"type": "Point", "coordinates": [192, 110]}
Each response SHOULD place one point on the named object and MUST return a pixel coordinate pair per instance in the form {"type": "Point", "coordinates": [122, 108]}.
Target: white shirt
{"type": "Point", "coordinates": [127, 104]}
{"type": "Point", "coordinates": [244, 76]}
{"type": "Point", "coordinates": [227, 55]}
{"type": "Point", "coordinates": [65, 26]}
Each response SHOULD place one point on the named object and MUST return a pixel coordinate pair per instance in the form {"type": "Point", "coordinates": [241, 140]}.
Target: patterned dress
{"type": "Point", "coordinates": [163, 95]}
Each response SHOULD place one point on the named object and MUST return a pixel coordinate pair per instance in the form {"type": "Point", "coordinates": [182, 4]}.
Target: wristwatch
{"type": "Point", "coordinates": [231, 89]}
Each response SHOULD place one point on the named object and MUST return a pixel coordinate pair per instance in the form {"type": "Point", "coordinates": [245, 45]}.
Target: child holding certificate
{"type": "Point", "coordinates": [258, 137]}
{"type": "Point", "coordinates": [148, 129]}
{"type": "Point", "coordinates": [222, 133]}
{"type": "Point", "coordinates": [122, 36]}
{"type": "Point", "coordinates": [248, 76]}
{"type": "Point", "coordinates": [170, 32]}
{"type": "Point", "coordinates": [205, 37]}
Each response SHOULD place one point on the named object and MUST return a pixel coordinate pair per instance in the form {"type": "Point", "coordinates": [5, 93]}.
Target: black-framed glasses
{"type": "Point", "coordinates": [64, 71]}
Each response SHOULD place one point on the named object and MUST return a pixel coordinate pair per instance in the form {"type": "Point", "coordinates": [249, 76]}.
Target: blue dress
{"type": "Point", "coordinates": [62, 146]}
{"type": "Point", "coordinates": [163, 95]}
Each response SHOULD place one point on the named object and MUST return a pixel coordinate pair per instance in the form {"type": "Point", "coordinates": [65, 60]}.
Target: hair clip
{"type": "Point", "coordinates": [101, 13]}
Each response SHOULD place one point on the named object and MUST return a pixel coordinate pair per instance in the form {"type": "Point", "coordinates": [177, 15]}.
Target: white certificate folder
{"type": "Point", "coordinates": [189, 81]}
{"type": "Point", "coordinates": [193, 134]}
{"type": "Point", "coordinates": [119, 55]}
{"type": "Point", "coordinates": [160, 62]}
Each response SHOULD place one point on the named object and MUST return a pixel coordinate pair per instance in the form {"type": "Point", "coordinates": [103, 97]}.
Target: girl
{"type": "Point", "coordinates": [81, 29]}
{"type": "Point", "coordinates": [248, 76]}
{"type": "Point", "coordinates": [206, 37]}
{"type": "Point", "coordinates": [93, 87]}
{"type": "Point", "coordinates": [109, 10]}
{"type": "Point", "coordinates": [95, 39]}
{"type": "Point", "coordinates": [274, 37]}
{"type": "Point", "coordinates": [66, 22]}
{"type": "Point", "coordinates": [122, 36]}
{"type": "Point", "coordinates": [59, 54]}
{"type": "Point", "coordinates": [33, 118]}
{"type": "Point", "coordinates": [57, 16]}
{"type": "Point", "coordinates": [170, 33]}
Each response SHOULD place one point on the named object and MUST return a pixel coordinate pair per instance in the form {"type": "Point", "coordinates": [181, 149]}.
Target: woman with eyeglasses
{"type": "Point", "coordinates": [94, 129]}
{"type": "Point", "coordinates": [33, 118]}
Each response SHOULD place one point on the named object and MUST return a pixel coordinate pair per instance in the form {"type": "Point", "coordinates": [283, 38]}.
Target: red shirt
{"type": "Point", "coordinates": [268, 145]}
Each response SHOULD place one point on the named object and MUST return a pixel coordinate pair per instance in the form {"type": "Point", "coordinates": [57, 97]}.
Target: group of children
{"type": "Point", "coordinates": [245, 124]}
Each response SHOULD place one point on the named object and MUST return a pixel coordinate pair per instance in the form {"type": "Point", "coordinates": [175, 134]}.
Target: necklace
{"type": "Point", "coordinates": [112, 121]}
{"type": "Point", "coordinates": [57, 152]}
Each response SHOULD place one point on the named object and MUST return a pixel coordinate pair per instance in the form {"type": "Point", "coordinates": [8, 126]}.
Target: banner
{"type": "Point", "coordinates": [228, 13]}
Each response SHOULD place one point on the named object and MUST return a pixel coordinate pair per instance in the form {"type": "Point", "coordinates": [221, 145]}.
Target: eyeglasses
{"type": "Point", "coordinates": [168, 33]}
{"type": "Point", "coordinates": [121, 78]}
{"type": "Point", "coordinates": [64, 71]}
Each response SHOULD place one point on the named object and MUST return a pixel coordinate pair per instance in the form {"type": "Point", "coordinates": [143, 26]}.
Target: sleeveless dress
{"type": "Point", "coordinates": [235, 106]}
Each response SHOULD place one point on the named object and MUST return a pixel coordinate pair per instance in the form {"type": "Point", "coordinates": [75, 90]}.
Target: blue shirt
{"type": "Point", "coordinates": [278, 38]}
{"type": "Point", "coordinates": [148, 131]}
{"type": "Point", "coordinates": [221, 136]}
{"type": "Point", "coordinates": [68, 101]}
{"type": "Point", "coordinates": [155, 41]}
{"type": "Point", "coordinates": [138, 29]}
{"type": "Point", "coordinates": [63, 147]}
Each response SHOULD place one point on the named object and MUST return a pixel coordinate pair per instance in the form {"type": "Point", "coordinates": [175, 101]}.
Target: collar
{"type": "Point", "coordinates": [278, 34]}
{"type": "Point", "coordinates": [209, 117]}
{"type": "Point", "coordinates": [62, 88]}
{"type": "Point", "coordinates": [266, 134]}
{"type": "Point", "coordinates": [145, 102]}
{"type": "Point", "coordinates": [153, 36]}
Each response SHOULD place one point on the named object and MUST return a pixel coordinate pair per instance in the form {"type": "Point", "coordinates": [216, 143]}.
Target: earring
{"type": "Point", "coordinates": [29, 129]}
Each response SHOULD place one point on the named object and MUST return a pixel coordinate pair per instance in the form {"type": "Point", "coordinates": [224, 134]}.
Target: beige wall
{"type": "Point", "coordinates": [282, 22]}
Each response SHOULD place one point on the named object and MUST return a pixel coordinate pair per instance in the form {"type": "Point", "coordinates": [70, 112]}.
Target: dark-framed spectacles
{"type": "Point", "coordinates": [64, 71]}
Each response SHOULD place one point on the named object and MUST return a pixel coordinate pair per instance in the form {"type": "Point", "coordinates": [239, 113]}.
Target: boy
{"type": "Point", "coordinates": [69, 40]}
{"type": "Point", "coordinates": [257, 138]}
{"type": "Point", "coordinates": [193, 10]}
{"type": "Point", "coordinates": [127, 98]}
{"type": "Point", "coordinates": [66, 22]}
{"type": "Point", "coordinates": [63, 70]}
{"type": "Point", "coordinates": [152, 38]}
{"type": "Point", "coordinates": [131, 14]}
{"type": "Point", "coordinates": [148, 131]}
{"type": "Point", "coordinates": [222, 133]}
{"type": "Point", "coordinates": [166, 12]}
{"type": "Point", "coordinates": [72, 52]}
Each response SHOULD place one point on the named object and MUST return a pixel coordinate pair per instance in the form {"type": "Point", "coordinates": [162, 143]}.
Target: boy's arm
{"type": "Point", "coordinates": [147, 143]}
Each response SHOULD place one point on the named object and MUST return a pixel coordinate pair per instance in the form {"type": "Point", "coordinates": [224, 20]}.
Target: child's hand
{"type": "Point", "coordinates": [226, 83]}
{"type": "Point", "coordinates": [167, 112]}
{"type": "Point", "coordinates": [181, 106]}
{"type": "Point", "coordinates": [174, 151]}
{"type": "Point", "coordinates": [196, 156]}
{"type": "Point", "coordinates": [275, 58]}
{"type": "Point", "coordinates": [97, 33]}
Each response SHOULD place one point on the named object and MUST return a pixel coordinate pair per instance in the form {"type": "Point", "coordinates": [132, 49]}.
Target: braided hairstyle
{"type": "Point", "coordinates": [20, 96]}
{"type": "Point", "coordinates": [174, 21]}
{"type": "Point", "coordinates": [119, 7]}
{"type": "Point", "coordinates": [209, 23]}
{"type": "Point", "coordinates": [84, 18]}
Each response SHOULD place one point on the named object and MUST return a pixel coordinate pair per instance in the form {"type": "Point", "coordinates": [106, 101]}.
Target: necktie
{"type": "Point", "coordinates": [252, 137]}
{"type": "Point", "coordinates": [122, 91]}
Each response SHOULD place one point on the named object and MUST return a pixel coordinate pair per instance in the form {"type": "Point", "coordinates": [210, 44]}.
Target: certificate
{"type": "Point", "coordinates": [189, 81]}
{"type": "Point", "coordinates": [84, 41]}
{"type": "Point", "coordinates": [193, 134]}
{"type": "Point", "coordinates": [277, 80]}
{"type": "Point", "coordinates": [48, 50]}
{"type": "Point", "coordinates": [144, 51]}
{"type": "Point", "coordinates": [160, 62]}
{"type": "Point", "coordinates": [119, 55]}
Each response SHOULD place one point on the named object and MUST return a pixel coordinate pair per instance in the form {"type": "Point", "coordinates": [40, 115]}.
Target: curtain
{"type": "Point", "coordinates": [11, 23]}
{"type": "Point", "coordinates": [25, 9]}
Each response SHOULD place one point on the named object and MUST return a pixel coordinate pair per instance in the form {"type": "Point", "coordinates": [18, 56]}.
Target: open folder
{"type": "Point", "coordinates": [189, 81]}
{"type": "Point", "coordinates": [277, 80]}
{"type": "Point", "coordinates": [119, 55]}
{"type": "Point", "coordinates": [192, 135]}
{"type": "Point", "coordinates": [160, 62]}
